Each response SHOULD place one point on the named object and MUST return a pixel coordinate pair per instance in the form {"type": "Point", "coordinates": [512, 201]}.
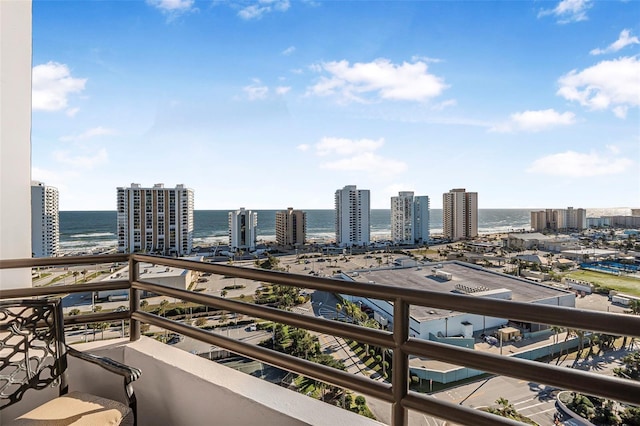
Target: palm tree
{"type": "Point", "coordinates": [163, 307]}
{"type": "Point", "coordinates": [338, 309]}
{"type": "Point", "coordinates": [75, 277]}
{"type": "Point", "coordinates": [102, 327]}
{"type": "Point", "coordinates": [556, 329]}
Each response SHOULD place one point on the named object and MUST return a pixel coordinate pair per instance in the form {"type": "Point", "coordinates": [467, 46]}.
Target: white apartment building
{"type": "Point", "coordinates": [45, 220]}
{"type": "Point", "coordinates": [291, 227]}
{"type": "Point", "coordinates": [353, 216]}
{"type": "Point", "coordinates": [409, 218]}
{"type": "Point", "coordinates": [155, 220]}
{"type": "Point", "coordinates": [459, 214]}
{"type": "Point", "coordinates": [243, 229]}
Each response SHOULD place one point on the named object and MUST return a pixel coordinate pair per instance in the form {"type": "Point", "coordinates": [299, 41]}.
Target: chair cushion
{"type": "Point", "coordinates": [77, 408]}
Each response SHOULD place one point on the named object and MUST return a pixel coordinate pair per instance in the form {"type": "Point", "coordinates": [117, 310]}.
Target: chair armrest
{"type": "Point", "coordinates": [129, 373]}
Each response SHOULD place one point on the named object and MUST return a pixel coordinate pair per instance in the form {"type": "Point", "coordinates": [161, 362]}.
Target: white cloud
{"type": "Point", "coordinates": [535, 121]}
{"type": "Point", "coordinates": [282, 90]}
{"type": "Point", "coordinates": [623, 41]}
{"type": "Point", "coordinates": [611, 84]}
{"type": "Point", "coordinates": [262, 7]}
{"type": "Point", "coordinates": [90, 133]}
{"type": "Point", "coordinates": [256, 90]}
{"type": "Point", "coordinates": [368, 162]}
{"type": "Point", "coordinates": [343, 146]}
{"type": "Point", "coordinates": [575, 164]}
{"type": "Point", "coordinates": [356, 155]}
{"type": "Point", "coordinates": [379, 78]}
{"type": "Point", "coordinates": [427, 59]}
{"type": "Point", "coordinates": [445, 104]}
{"type": "Point", "coordinates": [568, 11]}
{"type": "Point", "coordinates": [86, 162]}
{"type": "Point", "coordinates": [52, 84]}
{"type": "Point", "coordinates": [58, 178]}
{"type": "Point", "coordinates": [289, 50]}
{"type": "Point", "coordinates": [173, 8]}
{"type": "Point", "coordinates": [303, 147]}
{"type": "Point", "coordinates": [71, 112]}
{"type": "Point", "coordinates": [614, 149]}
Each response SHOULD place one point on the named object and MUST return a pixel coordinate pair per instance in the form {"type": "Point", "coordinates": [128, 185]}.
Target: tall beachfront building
{"type": "Point", "coordinates": [155, 220]}
{"type": "Point", "coordinates": [459, 214]}
{"type": "Point", "coordinates": [291, 227]}
{"type": "Point", "coordinates": [353, 216]}
{"type": "Point", "coordinates": [409, 218]}
{"type": "Point", "coordinates": [559, 219]}
{"type": "Point", "coordinates": [45, 222]}
{"type": "Point", "coordinates": [243, 229]}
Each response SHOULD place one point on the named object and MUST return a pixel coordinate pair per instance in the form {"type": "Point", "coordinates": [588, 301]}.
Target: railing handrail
{"type": "Point", "coordinates": [398, 340]}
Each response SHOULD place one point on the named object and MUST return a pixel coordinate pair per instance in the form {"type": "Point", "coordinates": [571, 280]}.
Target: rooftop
{"type": "Point", "coordinates": [486, 281]}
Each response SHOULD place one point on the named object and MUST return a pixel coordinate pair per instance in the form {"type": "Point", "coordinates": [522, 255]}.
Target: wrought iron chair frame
{"type": "Point", "coordinates": [40, 323]}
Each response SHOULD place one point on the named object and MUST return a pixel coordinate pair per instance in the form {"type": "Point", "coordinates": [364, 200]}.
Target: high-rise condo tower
{"type": "Point", "coordinates": [459, 214]}
{"type": "Point", "coordinates": [291, 227]}
{"type": "Point", "coordinates": [243, 229]}
{"type": "Point", "coordinates": [409, 218]}
{"type": "Point", "coordinates": [155, 220]}
{"type": "Point", "coordinates": [45, 223]}
{"type": "Point", "coordinates": [353, 216]}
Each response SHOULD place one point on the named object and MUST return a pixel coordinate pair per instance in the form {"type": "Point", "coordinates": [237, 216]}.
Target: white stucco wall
{"type": "Point", "coordinates": [15, 139]}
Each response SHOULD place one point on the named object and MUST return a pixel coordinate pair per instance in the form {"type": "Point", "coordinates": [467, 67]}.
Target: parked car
{"type": "Point", "coordinates": [175, 338]}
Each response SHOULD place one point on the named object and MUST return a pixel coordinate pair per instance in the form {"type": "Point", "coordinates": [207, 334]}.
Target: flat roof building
{"type": "Point", "coordinates": [460, 278]}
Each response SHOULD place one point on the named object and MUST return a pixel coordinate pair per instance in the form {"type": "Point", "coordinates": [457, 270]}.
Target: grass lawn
{"type": "Point", "coordinates": [628, 285]}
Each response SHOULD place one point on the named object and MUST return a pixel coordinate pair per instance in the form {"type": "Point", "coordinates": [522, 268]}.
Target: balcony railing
{"type": "Point", "coordinates": [398, 340]}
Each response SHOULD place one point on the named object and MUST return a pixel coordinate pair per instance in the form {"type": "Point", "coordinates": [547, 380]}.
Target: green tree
{"type": "Point", "coordinates": [506, 409]}
{"type": "Point", "coordinates": [74, 311]}
{"type": "Point", "coordinates": [75, 277]}
{"type": "Point", "coordinates": [144, 304]}
{"type": "Point", "coordinates": [631, 416]}
{"type": "Point", "coordinates": [631, 369]}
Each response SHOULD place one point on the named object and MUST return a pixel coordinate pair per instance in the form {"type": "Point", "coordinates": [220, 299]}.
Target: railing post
{"type": "Point", "coordinates": [400, 363]}
{"type": "Point", "coordinates": [134, 299]}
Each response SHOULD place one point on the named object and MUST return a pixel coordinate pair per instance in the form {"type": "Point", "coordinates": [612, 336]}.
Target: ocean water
{"type": "Point", "coordinates": [85, 231]}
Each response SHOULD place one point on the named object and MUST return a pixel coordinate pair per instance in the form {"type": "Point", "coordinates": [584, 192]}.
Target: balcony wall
{"type": "Point", "coordinates": [179, 388]}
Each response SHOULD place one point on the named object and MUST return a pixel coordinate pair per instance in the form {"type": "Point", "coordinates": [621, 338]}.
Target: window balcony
{"type": "Point", "coordinates": [178, 388]}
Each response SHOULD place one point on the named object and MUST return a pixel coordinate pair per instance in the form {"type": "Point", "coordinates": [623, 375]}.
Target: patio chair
{"type": "Point", "coordinates": [33, 355]}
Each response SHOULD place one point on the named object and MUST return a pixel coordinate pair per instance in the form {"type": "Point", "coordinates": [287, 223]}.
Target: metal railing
{"type": "Point", "coordinates": [398, 340]}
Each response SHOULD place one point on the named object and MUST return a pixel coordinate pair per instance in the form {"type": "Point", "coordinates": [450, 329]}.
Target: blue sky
{"type": "Point", "coordinates": [275, 103]}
